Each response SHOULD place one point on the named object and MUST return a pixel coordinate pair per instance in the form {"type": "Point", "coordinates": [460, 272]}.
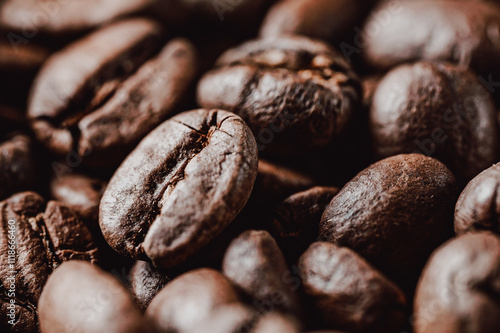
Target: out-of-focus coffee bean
{"type": "Point", "coordinates": [145, 282]}
{"type": "Point", "coordinates": [189, 299]}
{"type": "Point", "coordinates": [80, 296]}
{"type": "Point", "coordinates": [254, 263]}
{"type": "Point", "coordinates": [94, 100]}
{"type": "Point", "coordinates": [462, 32]}
{"type": "Point", "coordinates": [17, 165]}
{"type": "Point", "coordinates": [296, 220]}
{"type": "Point", "coordinates": [56, 17]}
{"type": "Point", "coordinates": [36, 237]}
{"type": "Point", "coordinates": [80, 192]}
{"type": "Point", "coordinates": [330, 20]}
{"type": "Point", "coordinates": [458, 290]}
{"type": "Point", "coordinates": [348, 293]}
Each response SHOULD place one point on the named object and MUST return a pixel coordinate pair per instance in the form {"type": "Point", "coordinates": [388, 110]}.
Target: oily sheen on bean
{"type": "Point", "coordinates": [394, 213]}
{"type": "Point", "coordinates": [180, 187]}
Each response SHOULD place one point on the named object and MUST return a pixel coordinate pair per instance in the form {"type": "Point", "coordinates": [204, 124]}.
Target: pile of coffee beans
{"type": "Point", "coordinates": [250, 166]}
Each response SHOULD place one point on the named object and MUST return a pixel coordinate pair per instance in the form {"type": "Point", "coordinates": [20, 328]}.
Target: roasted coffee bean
{"type": "Point", "coordinates": [478, 207]}
{"type": "Point", "coordinates": [17, 165]}
{"type": "Point", "coordinates": [458, 290]}
{"type": "Point", "coordinates": [296, 221]}
{"type": "Point", "coordinates": [180, 187]}
{"type": "Point", "coordinates": [80, 192]}
{"type": "Point", "coordinates": [94, 100]}
{"type": "Point", "coordinates": [394, 213]}
{"type": "Point", "coordinates": [348, 293]}
{"type": "Point", "coordinates": [274, 183]}
{"type": "Point", "coordinates": [323, 19]}
{"type": "Point", "coordinates": [36, 237]}
{"type": "Point", "coordinates": [81, 297]}
{"type": "Point", "coordinates": [56, 17]}
{"type": "Point", "coordinates": [254, 263]}
{"type": "Point", "coordinates": [462, 32]}
{"type": "Point", "coordinates": [189, 299]}
{"type": "Point", "coordinates": [145, 282]}
{"type": "Point", "coordinates": [294, 93]}
{"type": "Point", "coordinates": [439, 110]}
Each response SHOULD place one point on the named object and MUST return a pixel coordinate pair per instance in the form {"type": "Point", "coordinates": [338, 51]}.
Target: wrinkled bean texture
{"type": "Point", "coordinates": [293, 92]}
{"type": "Point", "coordinates": [40, 236]}
{"type": "Point", "coordinates": [180, 187]}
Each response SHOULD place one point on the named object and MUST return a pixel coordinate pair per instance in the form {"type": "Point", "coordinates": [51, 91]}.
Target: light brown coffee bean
{"type": "Point", "coordinates": [81, 297]}
{"type": "Point", "coordinates": [189, 299]}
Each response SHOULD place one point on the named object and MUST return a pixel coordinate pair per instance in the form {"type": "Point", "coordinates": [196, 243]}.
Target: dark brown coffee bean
{"type": "Point", "coordinates": [348, 293]}
{"type": "Point", "coordinates": [17, 165]}
{"type": "Point", "coordinates": [296, 220]}
{"type": "Point", "coordinates": [324, 19]}
{"type": "Point", "coordinates": [439, 110]}
{"type": "Point", "coordinates": [180, 187]}
{"type": "Point", "coordinates": [57, 17]}
{"type": "Point", "coordinates": [83, 298]}
{"type": "Point", "coordinates": [478, 207]}
{"type": "Point", "coordinates": [394, 213]}
{"type": "Point", "coordinates": [36, 237]}
{"type": "Point", "coordinates": [108, 98]}
{"type": "Point", "coordinates": [462, 32]}
{"type": "Point", "coordinates": [254, 263]}
{"type": "Point", "coordinates": [276, 182]}
{"type": "Point", "coordinates": [459, 288]}
{"type": "Point", "coordinates": [189, 299]}
{"type": "Point", "coordinates": [293, 92]}
{"type": "Point", "coordinates": [273, 184]}
{"type": "Point", "coordinates": [80, 192]}
{"type": "Point", "coordinates": [145, 282]}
